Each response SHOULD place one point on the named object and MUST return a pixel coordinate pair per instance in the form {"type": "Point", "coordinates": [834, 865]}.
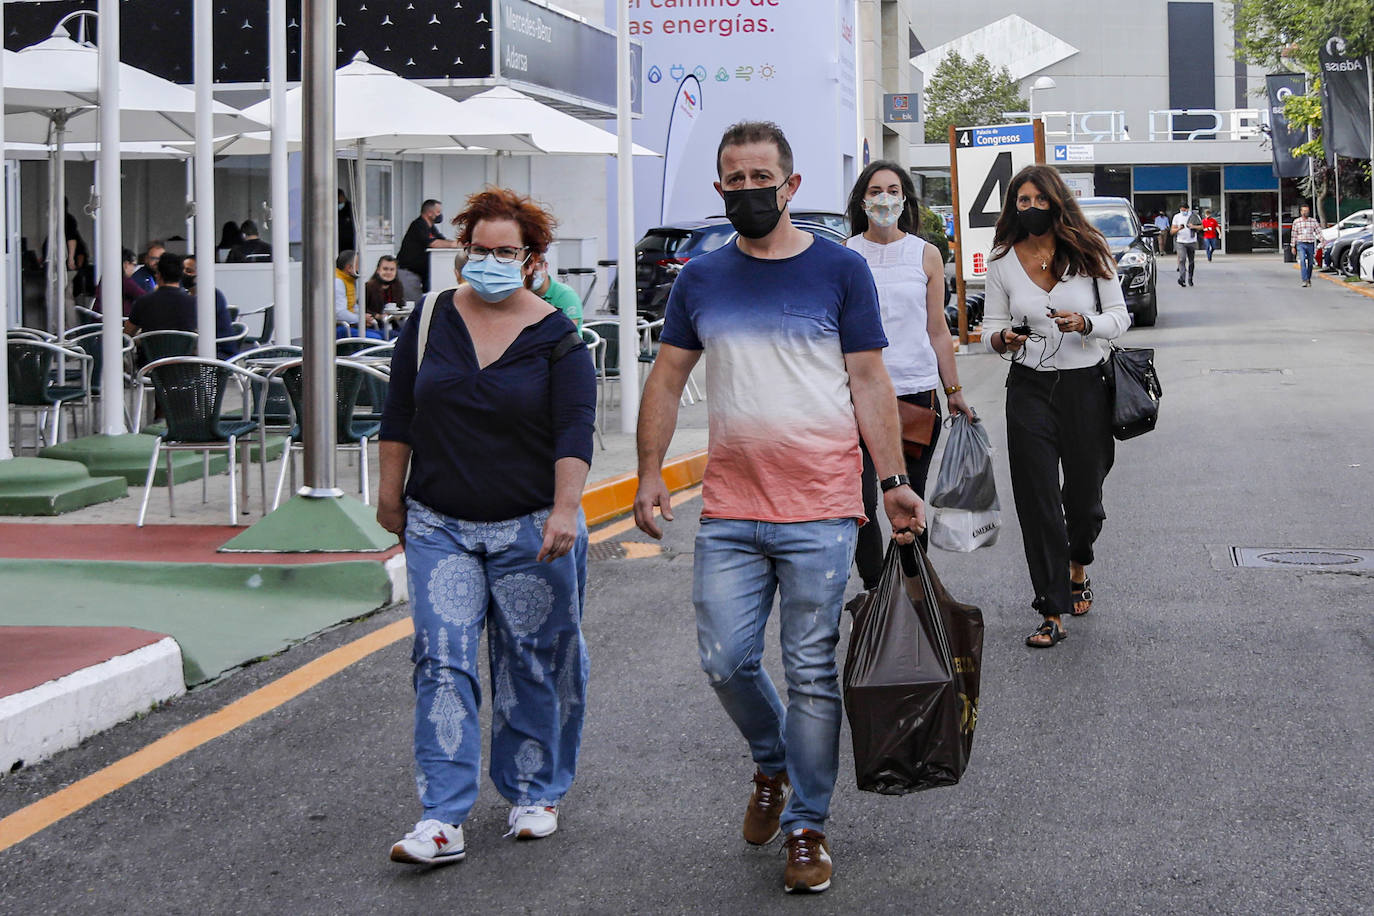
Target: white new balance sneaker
{"type": "Point", "coordinates": [430, 843]}
{"type": "Point", "coordinates": [530, 822]}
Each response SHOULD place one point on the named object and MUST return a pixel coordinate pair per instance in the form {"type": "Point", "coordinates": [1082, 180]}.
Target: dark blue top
{"type": "Point", "coordinates": [484, 441]}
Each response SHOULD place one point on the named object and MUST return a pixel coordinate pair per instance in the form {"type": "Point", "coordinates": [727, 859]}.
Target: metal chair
{"type": "Point", "coordinates": [351, 431]}
{"type": "Point", "coordinates": [264, 335]}
{"type": "Point", "coordinates": [89, 343]}
{"type": "Point", "coordinates": [276, 414]}
{"type": "Point", "coordinates": [597, 347]}
{"type": "Point", "coordinates": [31, 377]}
{"type": "Point", "coordinates": [87, 315]}
{"type": "Point", "coordinates": [191, 391]}
{"type": "Point", "coordinates": [238, 333]}
{"type": "Point", "coordinates": [154, 345]}
{"type": "Point", "coordinates": [349, 346]}
{"type": "Point", "coordinates": [29, 334]}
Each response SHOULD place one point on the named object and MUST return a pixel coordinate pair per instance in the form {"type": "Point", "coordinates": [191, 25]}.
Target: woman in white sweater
{"type": "Point", "coordinates": [1052, 305]}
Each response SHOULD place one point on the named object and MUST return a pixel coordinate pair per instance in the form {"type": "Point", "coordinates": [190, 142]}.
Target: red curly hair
{"type": "Point", "coordinates": [536, 224]}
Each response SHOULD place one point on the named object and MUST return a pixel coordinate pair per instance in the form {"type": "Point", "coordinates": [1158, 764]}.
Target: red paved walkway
{"type": "Point", "coordinates": [150, 544]}
{"type": "Point", "coordinates": [30, 656]}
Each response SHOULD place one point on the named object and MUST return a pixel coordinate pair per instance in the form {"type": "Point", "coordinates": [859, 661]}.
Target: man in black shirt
{"type": "Point", "coordinates": [224, 324]}
{"type": "Point", "coordinates": [167, 308]}
{"type": "Point", "coordinates": [252, 250]}
{"type": "Point", "coordinates": [422, 235]}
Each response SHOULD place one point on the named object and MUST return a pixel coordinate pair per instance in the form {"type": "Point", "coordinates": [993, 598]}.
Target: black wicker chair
{"type": "Point", "coordinates": [32, 384]}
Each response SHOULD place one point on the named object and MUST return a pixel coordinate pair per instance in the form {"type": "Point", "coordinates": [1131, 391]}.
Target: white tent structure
{"type": "Point", "coordinates": [150, 109]}
{"type": "Point", "coordinates": [376, 109]}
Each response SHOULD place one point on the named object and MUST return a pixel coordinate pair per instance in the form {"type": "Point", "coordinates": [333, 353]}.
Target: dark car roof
{"type": "Point", "coordinates": [1090, 201]}
{"type": "Point", "coordinates": [691, 224]}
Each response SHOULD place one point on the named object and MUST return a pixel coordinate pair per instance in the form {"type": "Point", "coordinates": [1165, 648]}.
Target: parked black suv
{"type": "Point", "coordinates": [1116, 219]}
{"type": "Point", "coordinates": [662, 252]}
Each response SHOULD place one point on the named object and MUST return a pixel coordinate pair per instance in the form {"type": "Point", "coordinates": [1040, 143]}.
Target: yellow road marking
{"type": "Point", "coordinates": [45, 812]}
{"type": "Point", "coordinates": [638, 550]}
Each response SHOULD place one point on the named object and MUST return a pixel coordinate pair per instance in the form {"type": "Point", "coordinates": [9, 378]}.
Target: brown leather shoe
{"type": "Point", "coordinates": [765, 808]}
{"type": "Point", "coordinates": [808, 862]}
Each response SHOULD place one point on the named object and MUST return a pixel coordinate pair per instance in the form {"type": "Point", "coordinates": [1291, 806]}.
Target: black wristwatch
{"type": "Point", "coordinates": [895, 481]}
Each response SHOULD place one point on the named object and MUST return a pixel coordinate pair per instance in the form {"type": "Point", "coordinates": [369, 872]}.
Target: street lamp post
{"type": "Point", "coordinates": [1042, 83]}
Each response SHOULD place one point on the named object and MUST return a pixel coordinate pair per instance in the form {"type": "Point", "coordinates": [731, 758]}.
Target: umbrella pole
{"type": "Point", "coordinates": [625, 237]}
{"type": "Point", "coordinates": [319, 229]}
{"type": "Point", "coordinates": [360, 229]}
{"type": "Point", "coordinates": [110, 215]}
{"type": "Point", "coordinates": [60, 232]}
{"type": "Point", "coordinates": [4, 279]}
{"type": "Point", "coordinates": [281, 200]}
{"type": "Point", "coordinates": [205, 179]}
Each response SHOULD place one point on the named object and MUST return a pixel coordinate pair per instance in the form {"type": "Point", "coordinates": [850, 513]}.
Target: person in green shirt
{"type": "Point", "coordinates": [559, 295]}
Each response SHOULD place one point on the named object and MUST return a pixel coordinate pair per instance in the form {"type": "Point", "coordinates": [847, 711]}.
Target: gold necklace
{"type": "Point", "coordinates": [1044, 259]}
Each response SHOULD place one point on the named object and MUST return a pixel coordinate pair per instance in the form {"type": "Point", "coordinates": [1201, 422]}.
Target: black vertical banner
{"type": "Point", "coordinates": [1345, 101]}
{"type": "Point", "coordinates": [1284, 136]}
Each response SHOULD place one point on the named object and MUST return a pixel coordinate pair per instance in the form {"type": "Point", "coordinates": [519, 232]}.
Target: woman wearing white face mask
{"type": "Point", "coordinates": [909, 274]}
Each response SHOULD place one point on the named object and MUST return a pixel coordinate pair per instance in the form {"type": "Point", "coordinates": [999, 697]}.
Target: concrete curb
{"type": "Point", "coordinates": [60, 714]}
{"type": "Point", "coordinates": [606, 499]}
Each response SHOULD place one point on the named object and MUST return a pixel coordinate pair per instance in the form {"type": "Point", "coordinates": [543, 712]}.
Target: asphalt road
{"type": "Point", "coordinates": [1201, 742]}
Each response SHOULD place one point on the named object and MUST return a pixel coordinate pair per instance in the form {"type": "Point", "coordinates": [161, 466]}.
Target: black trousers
{"type": "Point", "coordinates": [1058, 420]}
{"type": "Point", "coordinates": [869, 548]}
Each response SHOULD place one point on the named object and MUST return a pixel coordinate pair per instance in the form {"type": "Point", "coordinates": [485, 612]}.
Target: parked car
{"type": "Point", "coordinates": [1353, 224]}
{"type": "Point", "coordinates": [1342, 252]}
{"type": "Point", "coordinates": [663, 251]}
{"type": "Point", "coordinates": [1133, 247]}
{"type": "Point", "coordinates": [1358, 247]}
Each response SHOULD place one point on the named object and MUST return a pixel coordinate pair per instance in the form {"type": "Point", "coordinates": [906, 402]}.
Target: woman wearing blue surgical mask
{"type": "Point", "coordinates": [909, 273]}
{"type": "Point", "coordinates": [486, 442]}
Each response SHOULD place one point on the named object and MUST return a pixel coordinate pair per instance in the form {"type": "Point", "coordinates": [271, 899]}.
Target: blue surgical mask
{"type": "Point", "coordinates": [492, 280]}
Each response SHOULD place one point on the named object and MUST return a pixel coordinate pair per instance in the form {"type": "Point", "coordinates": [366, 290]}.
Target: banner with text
{"type": "Point", "coordinates": [787, 61]}
{"type": "Point", "coordinates": [1285, 137]}
{"type": "Point", "coordinates": [1345, 101]}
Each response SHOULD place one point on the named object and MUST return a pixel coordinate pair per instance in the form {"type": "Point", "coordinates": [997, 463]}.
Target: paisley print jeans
{"type": "Point", "coordinates": [463, 575]}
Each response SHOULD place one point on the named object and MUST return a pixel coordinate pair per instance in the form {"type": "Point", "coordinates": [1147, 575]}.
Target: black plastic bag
{"type": "Point", "coordinates": [911, 679]}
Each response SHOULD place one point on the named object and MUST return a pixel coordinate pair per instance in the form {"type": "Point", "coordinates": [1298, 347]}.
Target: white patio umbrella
{"type": "Point", "coordinates": [151, 109]}
{"type": "Point", "coordinates": [553, 131]}
{"type": "Point", "coordinates": [376, 109]}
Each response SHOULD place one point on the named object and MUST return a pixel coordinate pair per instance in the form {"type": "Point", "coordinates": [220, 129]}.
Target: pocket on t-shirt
{"type": "Point", "coordinates": [807, 317]}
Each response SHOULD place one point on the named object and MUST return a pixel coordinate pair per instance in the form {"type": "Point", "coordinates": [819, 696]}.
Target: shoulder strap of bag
{"type": "Point", "coordinates": [570, 342]}
{"type": "Point", "coordinates": [1097, 297]}
{"type": "Point", "coordinates": [426, 316]}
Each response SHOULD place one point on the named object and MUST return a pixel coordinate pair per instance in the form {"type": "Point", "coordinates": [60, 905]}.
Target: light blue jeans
{"type": "Point", "coordinates": [462, 575]}
{"type": "Point", "coordinates": [738, 567]}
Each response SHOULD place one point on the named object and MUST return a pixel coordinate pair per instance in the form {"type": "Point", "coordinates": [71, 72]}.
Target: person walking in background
{"type": "Point", "coordinates": [795, 376]}
{"type": "Point", "coordinates": [486, 442]}
{"type": "Point", "coordinates": [1051, 270]}
{"type": "Point", "coordinates": [1162, 224]}
{"type": "Point", "coordinates": [1304, 235]}
{"type": "Point", "coordinates": [1211, 233]}
{"type": "Point", "coordinates": [1184, 230]}
{"type": "Point", "coordinates": [559, 295]}
{"type": "Point", "coordinates": [909, 273]}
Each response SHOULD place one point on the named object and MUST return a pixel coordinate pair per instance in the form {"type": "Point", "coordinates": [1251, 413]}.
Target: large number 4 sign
{"type": "Point", "coordinates": [980, 215]}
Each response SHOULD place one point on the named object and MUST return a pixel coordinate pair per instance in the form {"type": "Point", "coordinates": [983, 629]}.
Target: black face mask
{"type": "Point", "coordinates": [188, 282]}
{"type": "Point", "coordinates": [1034, 220]}
{"type": "Point", "coordinates": [753, 211]}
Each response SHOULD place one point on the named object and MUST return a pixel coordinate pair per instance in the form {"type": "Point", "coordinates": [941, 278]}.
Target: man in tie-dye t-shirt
{"type": "Point", "coordinates": [793, 378]}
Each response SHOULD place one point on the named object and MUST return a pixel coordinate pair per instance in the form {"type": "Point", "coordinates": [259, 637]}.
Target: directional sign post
{"type": "Point", "coordinates": [982, 162]}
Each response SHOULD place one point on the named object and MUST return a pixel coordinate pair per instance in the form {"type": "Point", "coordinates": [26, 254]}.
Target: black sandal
{"type": "Point", "coordinates": [1080, 592]}
{"type": "Point", "coordinates": [1049, 628]}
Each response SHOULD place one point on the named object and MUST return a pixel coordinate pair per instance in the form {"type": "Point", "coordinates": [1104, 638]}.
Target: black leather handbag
{"type": "Point", "coordinates": [1134, 383]}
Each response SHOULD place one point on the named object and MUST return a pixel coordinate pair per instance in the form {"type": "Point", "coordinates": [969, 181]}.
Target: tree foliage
{"type": "Point", "coordinates": [966, 93]}
{"type": "Point", "coordinates": [1278, 33]}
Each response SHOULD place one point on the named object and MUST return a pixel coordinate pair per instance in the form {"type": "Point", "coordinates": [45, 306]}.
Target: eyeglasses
{"type": "Point", "coordinates": [505, 255]}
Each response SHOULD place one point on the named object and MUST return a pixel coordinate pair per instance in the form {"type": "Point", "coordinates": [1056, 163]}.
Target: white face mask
{"type": "Point", "coordinates": [884, 209]}
{"type": "Point", "coordinates": [537, 279]}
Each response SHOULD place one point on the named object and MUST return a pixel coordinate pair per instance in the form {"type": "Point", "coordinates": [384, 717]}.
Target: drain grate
{"type": "Point", "coordinates": [1250, 371]}
{"type": "Point", "coordinates": [1302, 558]}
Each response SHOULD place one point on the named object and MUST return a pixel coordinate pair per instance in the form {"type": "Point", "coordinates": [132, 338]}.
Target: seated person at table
{"type": "Point", "coordinates": [252, 250]}
{"type": "Point", "coordinates": [346, 298]}
{"type": "Point", "coordinates": [559, 295]}
{"type": "Point", "coordinates": [130, 289]}
{"type": "Point", "coordinates": [146, 275]}
{"type": "Point", "coordinates": [422, 235]}
{"type": "Point", "coordinates": [224, 324]}
{"type": "Point", "coordinates": [383, 290]}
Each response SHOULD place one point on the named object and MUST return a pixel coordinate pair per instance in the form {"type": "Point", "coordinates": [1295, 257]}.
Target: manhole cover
{"type": "Point", "coordinates": [1302, 557]}
{"type": "Point", "coordinates": [1250, 371]}
{"type": "Point", "coordinates": [606, 550]}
